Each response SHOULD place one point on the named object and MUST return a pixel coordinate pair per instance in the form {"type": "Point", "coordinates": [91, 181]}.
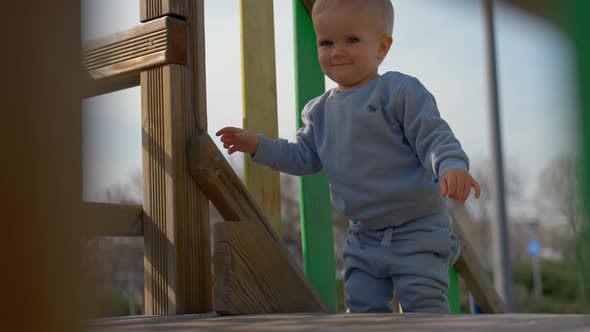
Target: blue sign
{"type": "Point", "coordinates": [534, 247]}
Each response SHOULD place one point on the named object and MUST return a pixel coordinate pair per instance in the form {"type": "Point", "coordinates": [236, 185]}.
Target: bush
{"type": "Point", "coordinates": [561, 289]}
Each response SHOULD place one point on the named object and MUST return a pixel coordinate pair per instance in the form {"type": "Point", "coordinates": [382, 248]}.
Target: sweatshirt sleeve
{"type": "Point", "coordinates": [427, 133]}
{"type": "Point", "coordinates": [296, 158]}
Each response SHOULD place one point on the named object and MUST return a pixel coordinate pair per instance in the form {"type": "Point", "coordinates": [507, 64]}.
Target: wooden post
{"type": "Point", "coordinates": [260, 100]}
{"type": "Point", "coordinates": [177, 260]}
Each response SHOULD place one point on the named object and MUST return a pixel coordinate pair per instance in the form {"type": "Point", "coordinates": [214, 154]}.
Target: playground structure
{"type": "Point", "coordinates": [183, 170]}
{"type": "Point", "coordinates": [253, 272]}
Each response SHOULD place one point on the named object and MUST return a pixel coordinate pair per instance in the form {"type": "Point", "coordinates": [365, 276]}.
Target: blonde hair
{"type": "Point", "coordinates": [382, 9]}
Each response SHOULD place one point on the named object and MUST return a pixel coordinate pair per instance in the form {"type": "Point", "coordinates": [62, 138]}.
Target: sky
{"type": "Point", "coordinates": [441, 42]}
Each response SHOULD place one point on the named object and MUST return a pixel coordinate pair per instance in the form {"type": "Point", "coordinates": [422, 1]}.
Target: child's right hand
{"type": "Point", "coordinates": [236, 139]}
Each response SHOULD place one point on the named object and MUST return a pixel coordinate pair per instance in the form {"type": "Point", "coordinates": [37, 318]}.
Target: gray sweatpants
{"type": "Point", "coordinates": [413, 257]}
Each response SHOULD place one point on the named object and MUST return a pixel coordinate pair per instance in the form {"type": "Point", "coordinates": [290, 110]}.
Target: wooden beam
{"type": "Point", "coordinates": [159, 42]}
{"type": "Point", "coordinates": [176, 237]}
{"type": "Point", "coordinates": [227, 192]}
{"type": "Point", "coordinates": [253, 276]}
{"type": "Point", "coordinates": [104, 219]}
{"type": "Point", "coordinates": [260, 100]}
{"type": "Point", "coordinates": [151, 9]}
{"type": "Point", "coordinates": [177, 261]}
{"type": "Point", "coordinates": [93, 88]}
{"type": "Point", "coordinates": [220, 183]}
{"type": "Point", "coordinates": [475, 277]}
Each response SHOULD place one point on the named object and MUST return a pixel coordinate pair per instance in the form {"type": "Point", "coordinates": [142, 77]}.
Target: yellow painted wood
{"type": "Point", "coordinates": [260, 99]}
{"type": "Point", "coordinates": [177, 259]}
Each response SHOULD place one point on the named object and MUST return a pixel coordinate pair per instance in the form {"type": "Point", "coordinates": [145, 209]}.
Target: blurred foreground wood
{"type": "Point", "coordinates": [41, 168]}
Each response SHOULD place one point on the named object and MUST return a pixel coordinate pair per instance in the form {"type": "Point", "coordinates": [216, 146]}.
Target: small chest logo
{"type": "Point", "coordinates": [372, 108]}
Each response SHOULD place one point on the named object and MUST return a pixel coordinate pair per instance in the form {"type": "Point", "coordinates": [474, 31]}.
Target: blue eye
{"type": "Point", "coordinates": [352, 40]}
{"type": "Point", "coordinates": [326, 43]}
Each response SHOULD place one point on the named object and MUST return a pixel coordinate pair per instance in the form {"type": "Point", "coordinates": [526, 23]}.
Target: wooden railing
{"type": "Point", "coordinates": [183, 169]}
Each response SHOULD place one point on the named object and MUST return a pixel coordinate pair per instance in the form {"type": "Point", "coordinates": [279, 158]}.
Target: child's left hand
{"type": "Point", "coordinates": [457, 184]}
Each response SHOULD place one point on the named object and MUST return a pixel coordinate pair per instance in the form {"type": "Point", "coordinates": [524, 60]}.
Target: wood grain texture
{"type": "Point", "coordinates": [95, 87]}
{"type": "Point", "coordinates": [104, 219]}
{"type": "Point", "coordinates": [253, 276]}
{"type": "Point", "coordinates": [151, 9]}
{"type": "Point", "coordinates": [475, 277]}
{"type": "Point", "coordinates": [260, 100]}
{"type": "Point", "coordinates": [158, 42]}
{"type": "Point", "coordinates": [177, 249]}
{"type": "Point", "coordinates": [177, 260]}
{"type": "Point", "coordinates": [346, 323]}
{"type": "Point", "coordinates": [227, 192]}
{"type": "Point", "coordinates": [221, 184]}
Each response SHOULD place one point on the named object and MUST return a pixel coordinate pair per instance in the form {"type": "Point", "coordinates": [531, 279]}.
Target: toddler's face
{"type": "Point", "coordinates": [349, 46]}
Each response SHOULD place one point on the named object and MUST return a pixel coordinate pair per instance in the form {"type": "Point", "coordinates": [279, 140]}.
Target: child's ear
{"type": "Point", "coordinates": [384, 46]}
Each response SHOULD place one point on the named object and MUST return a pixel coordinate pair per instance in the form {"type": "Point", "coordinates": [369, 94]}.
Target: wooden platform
{"type": "Point", "coordinates": [346, 323]}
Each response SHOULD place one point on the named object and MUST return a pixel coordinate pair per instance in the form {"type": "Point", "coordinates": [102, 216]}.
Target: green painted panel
{"type": "Point", "coordinates": [453, 291]}
{"type": "Point", "coordinates": [580, 31]}
{"type": "Point", "coordinates": [316, 216]}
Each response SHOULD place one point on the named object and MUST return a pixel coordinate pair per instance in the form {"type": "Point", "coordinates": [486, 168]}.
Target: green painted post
{"type": "Point", "coordinates": [314, 196]}
{"type": "Point", "coordinates": [453, 291]}
{"type": "Point", "coordinates": [580, 32]}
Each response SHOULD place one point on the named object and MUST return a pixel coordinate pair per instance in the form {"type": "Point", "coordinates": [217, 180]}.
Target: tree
{"type": "Point", "coordinates": [560, 193]}
{"type": "Point", "coordinates": [482, 209]}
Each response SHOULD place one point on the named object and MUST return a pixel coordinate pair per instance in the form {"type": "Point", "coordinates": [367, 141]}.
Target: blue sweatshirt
{"type": "Point", "coordinates": [383, 147]}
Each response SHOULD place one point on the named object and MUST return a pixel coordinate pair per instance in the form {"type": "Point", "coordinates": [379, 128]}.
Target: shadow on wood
{"type": "Point", "coordinates": [253, 267]}
{"type": "Point", "coordinates": [253, 276]}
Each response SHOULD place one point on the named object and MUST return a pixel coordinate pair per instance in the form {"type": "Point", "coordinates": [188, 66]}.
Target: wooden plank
{"type": "Point", "coordinates": [158, 42]}
{"type": "Point", "coordinates": [177, 261]}
{"type": "Point", "coordinates": [226, 191]}
{"type": "Point", "coordinates": [309, 322]}
{"type": "Point", "coordinates": [192, 12]}
{"type": "Point", "coordinates": [252, 275]}
{"type": "Point", "coordinates": [221, 184]}
{"type": "Point", "coordinates": [105, 219]}
{"type": "Point", "coordinates": [151, 9]}
{"type": "Point", "coordinates": [110, 84]}
{"type": "Point", "coordinates": [477, 280]}
{"type": "Point", "coordinates": [260, 100]}
{"type": "Point", "coordinates": [176, 216]}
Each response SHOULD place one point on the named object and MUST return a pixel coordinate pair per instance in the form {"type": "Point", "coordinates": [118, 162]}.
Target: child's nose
{"type": "Point", "coordinates": [338, 51]}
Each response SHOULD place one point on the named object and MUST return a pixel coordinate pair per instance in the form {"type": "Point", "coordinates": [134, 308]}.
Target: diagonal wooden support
{"type": "Point", "coordinates": [158, 42]}
{"type": "Point", "coordinates": [254, 272]}
{"type": "Point", "coordinates": [478, 282]}
{"type": "Point", "coordinates": [253, 276]}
